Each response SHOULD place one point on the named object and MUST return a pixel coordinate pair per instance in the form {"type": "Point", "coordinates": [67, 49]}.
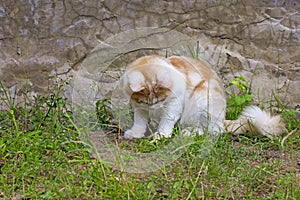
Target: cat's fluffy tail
{"type": "Point", "coordinates": [254, 120]}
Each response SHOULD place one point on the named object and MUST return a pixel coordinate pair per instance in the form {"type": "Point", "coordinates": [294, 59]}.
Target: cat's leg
{"type": "Point", "coordinates": [207, 123]}
{"type": "Point", "coordinates": [211, 115]}
{"type": "Point", "coordinates": [215, 125]}
{"type": "Point", "coordinates": [190, 119]}
{"type": "Point", "coordinates": [139, 125]}
{"type": "Point", "coordinates": [170, 115]}
{"type": "Point", "coordinates": [215, 116]}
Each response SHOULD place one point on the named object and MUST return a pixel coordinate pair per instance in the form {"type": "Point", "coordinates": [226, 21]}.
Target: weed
{"type": "Point", "coordinates": [41, 157]}
{"type": "Point", "coordinates": [103, 112]}
{"type": "Point", "coordinates": [238, 100]}
{"type": "Point", "coordinates": [194, 52]}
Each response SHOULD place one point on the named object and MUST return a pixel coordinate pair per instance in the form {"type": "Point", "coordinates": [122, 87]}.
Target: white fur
{"type": "Point", "coordinates": [135, 80]}
{"type": "Point", "coordinates": [164, 78]}
{"type": "Point", "coordinates": [202, 111]}
{"type": "Point", "coordinates": [168, 113]}
{"type": "Point", "coordinates": [255, 120]}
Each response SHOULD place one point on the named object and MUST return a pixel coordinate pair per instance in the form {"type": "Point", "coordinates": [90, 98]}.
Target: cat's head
{"type": "Point", "coordinates": [147, 84]}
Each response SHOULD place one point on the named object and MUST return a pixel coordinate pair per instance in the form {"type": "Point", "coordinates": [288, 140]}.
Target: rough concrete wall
{"type": "Point", "coordinates": [257, 39]}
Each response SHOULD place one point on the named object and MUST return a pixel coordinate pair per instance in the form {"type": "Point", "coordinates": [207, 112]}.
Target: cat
{"type": "Point", "coordinates": [184, 90]}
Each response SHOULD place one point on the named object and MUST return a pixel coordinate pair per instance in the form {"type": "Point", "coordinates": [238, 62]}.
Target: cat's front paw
{"type": "Point", "coordinates": [130, 134]}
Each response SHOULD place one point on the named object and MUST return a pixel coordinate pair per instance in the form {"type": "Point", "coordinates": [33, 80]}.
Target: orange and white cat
{"type": "Point", "coordinates": [185, 91]}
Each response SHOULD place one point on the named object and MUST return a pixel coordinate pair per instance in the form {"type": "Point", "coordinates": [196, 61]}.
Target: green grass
{"type": "Point", "coordinates": [42, 157]}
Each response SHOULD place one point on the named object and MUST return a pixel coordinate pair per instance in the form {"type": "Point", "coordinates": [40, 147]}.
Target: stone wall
{"type": "Point", "coordinates": [42, 40]}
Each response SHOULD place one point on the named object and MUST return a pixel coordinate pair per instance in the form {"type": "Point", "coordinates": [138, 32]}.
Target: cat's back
{"type": "Point", "coordinates": [146, 61]}
{"type": "Point", "coordinates": [195, 71]}
{"type": "Point", "coordinates": [188, 66]}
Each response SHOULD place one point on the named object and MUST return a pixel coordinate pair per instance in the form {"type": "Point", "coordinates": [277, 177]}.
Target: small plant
{"type": "Point", "coordinates": [8, 100]}
{"type": "Point", "coordinates": [42, 157]}
{"type": "Point", "coordinates": [194, 52]}
{"type": "Point", "coordinates": [292, 127]}
{"type": "Point", "coordinates": [238, 101]}
{"type": "Point", "coordinates": [290, 116]}
{"type": "Point", "coordinates": [103, 112]}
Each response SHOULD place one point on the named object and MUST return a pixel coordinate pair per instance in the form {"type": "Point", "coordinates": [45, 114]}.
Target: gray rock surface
{"type": "Point", "coordinates": [41, 41]}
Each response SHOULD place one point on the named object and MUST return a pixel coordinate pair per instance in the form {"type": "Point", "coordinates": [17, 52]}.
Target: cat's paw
{"type": "Point", "coordinates": [160, 135]}
{"type": "Point", "coordinates": [191, 132]}
{"type": "Point", "coordinates": [130, 134]}
{"type": "Point", "coordinates": [186, 132]}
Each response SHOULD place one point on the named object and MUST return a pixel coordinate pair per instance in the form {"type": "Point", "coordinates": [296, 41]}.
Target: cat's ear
{"type": "Point", "coordinates": [164, 79]}
{"type": "Point", "coordinates": [136, 81]}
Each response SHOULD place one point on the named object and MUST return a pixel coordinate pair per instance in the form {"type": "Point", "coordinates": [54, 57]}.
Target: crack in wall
{"type": "Point", "coordinates": [265, 31]}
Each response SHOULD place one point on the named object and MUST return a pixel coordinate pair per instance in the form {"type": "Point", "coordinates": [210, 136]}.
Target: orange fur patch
{"type": "Point", "coordinates": [190, 68]}
{"type": "Point", "coordinates": [185, 65]}
{"type": "Point", "coordinates": [182, 66]}
{"type": "Point", "coordinates": [151, 96]}
{"type": "Point", "coordinates": [198, 87]}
